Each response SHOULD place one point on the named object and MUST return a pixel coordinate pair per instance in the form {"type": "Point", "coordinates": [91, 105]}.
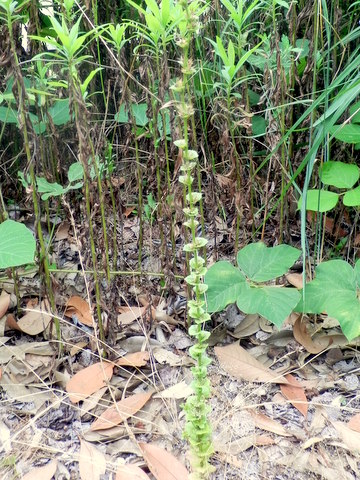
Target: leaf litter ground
{"type": "Point", "coordinates": [284, 404]}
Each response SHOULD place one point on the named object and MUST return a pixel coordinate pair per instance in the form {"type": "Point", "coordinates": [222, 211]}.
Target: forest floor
{"type": "Point", "coordinates": [283, 405]}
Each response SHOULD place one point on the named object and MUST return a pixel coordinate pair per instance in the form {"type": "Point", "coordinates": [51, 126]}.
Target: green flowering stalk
{"type": "Point", "coordinates": [197, 429]}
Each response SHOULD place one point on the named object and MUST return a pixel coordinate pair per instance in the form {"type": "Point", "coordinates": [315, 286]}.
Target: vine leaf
{"type": "Point", "coordinates": [224, 282]}
{"type": "Point", "coordinates": [261, 263]}
{"type": "Point", "coordinates": [335, 291]}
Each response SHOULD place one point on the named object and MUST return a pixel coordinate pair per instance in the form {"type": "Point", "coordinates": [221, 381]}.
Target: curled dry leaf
{"type": "Point", "coordinates": [130, 472]}
{"type": "Point", "coordinates": [162, 464]}
{"type": "Point", "coordinates": [92, 462]}
{"type": "Point", "coordinates": [295, 393]}
{"type": "Point", "coordinates": [136, 359]}
{"type": "Point", "coordinates": [130, 314]}
{"type": "Point", "coordinates": [120, 411]}
{"type": "Point", "coordinates": [78, 307]}
{"type": "Point", "coordinates": [4, 303]}
{"type": "Point", "coordinates": [37, 320]}
{"type": "Point", "coordinates": [301, 335]}
{"type": "Point", "coordinates": [236, 361]}
{"type": "Point", "coordinates": [89, 380]}
{"type": "Point", "coordinates": [42, 473]}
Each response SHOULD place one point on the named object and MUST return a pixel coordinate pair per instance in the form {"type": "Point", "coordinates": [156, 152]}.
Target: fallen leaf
{"type": "Point", "coordinates": [296, 394]}
{"type": "Point", "coordinates": [351, 438]}
{"type": "Point", "coordinates": [295, 279]}
{"type": "Point", "coordinates": [136, 359]}
{"type": "Point", "coordinates": [264, 440]}
{"type": "Point", "coordinates": [37, 320]}
{"type": "Point", "coordinates": [79, 308]}
{"type": "Point", "coordinates": [236, 361]}
{"type": "Point", "coordinates": [120, 411]}
{"type": "Point", "coordinates": [42, 473]}
{"type": "Point", "coordinates": [92, 462]}
{"type": "Point", "coordinates": [162, 464]}
{"type": "Point", "coordinates": [247, 327]}
{"type": "Point", "coordinates": [270, 425]}
{"type": "Point", "coordinates": [162, 355]}
{"type": "Point", "coordinates": [180, 390]}
{"type": "Point", "coordinates": [4, 303]}
{"type": "Point", "coordinates": [301, 335]}
{"type": "Point", "coordinates": [62, 232]}
{"type": "Point", "coordinates": [89, 380]}
{"type": "Point", "coordinates": [129, 314]}
{"type": "Point", "coordinates": [11, 323]}
{"type": "Point", "coordinates": [130, 472]}
{"type": "Point", "coordinates": [354, 423]}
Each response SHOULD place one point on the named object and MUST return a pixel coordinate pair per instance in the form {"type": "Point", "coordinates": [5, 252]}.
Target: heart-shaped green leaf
{"type": "Point", "coordinates": [352, 197]}
{"type": "Point", "coordinates": [349, 133]}
{"type": "Point", "coordinates": [260, 263]}
{"type": "Point", "coordinates": [223, 281]}
{"type": "Point", "coordinates": [335, 291]}
{"type": "Point", "coordinates": [340, 174]}
{"type": "Point", "coordinates": [320, 200]}
{"type": "Point", "coordinates": [17, 244]}
{"type": "Point", "coordinates": [273, 303]}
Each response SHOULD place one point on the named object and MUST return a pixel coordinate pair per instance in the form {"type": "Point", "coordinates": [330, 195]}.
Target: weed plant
{"type": "Point", "coordinates": [267, 100]}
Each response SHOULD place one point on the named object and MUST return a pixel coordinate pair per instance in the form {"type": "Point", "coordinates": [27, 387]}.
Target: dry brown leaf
{"type": "Point", "coordinates": [295, 279]}
{"type": "Point", "coordinates": [264, 440]}
{"type": "Point", "coordinates": [121, 411]}
{"type": "Point", "coordinates": [37, 320]}
{"type": "Point", "coordinates": [11, 323]}
{"type": "Point", "coordinates": [92, 462]}
{"type": "Point", "coordinates": [4, 303]}
{"type": "Point", "coordinates": [42, 473]}
{"type": "Point", "coordinates": [236, 361]}
{"type": "Point", "coordinates": [129, 314]}
{"type": "Point", "coordinates": [162, 464]}
{"type": "Point", "coordinates": [351, 438]}
{"type": "Point", "coordinates": [80, 308]}
{"type": "Point", "coordinates": [177, 391]}
{"type": "Point", "coordinates": [270, 425]}
{"type": "Point", "coordinates": [354, 423]}
{"type": "Point", "coordinates": [130, 472]}
{"type": "Point", "coordinates": [296, 394]}
{"type": "Point", "coordinates": [301, 335]}
{"type": "Point", "coordinates": [62, 232]}
{"type": "Point", "coordinates": [77, 347]}
{"type": "Point", "coordinates": [136, 359]}
{"type": "Point", "coordinates": [89, 380]}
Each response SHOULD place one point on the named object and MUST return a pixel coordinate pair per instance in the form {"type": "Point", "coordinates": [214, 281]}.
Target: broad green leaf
{"type": "Point", "coordinates": [76, 172]}
{"type": "Point", "coordinates": [8, 115]}
{"type": "Point", "coordinates": [352, 197]}
{"type": "Point", "coordinates": [349, 133]}
{"type": "Point", "coordinates": [354, 111]}
{"type": "Point", "coordinates": [49, 189]}
{"type": "Point", "coordinates": [223, 281]}
{"type": "Point", "coordinates": [259, 125]}
{"type": "Point", "coordinates": [17, 244]}
{"type": "Point", "coordinates": [334, 291]}
{"type": "Point", "coordinates": [260, 263]}
{"type": "Point", "coordinates": [122, 115]}
{"type": "Point", "coordinates": [139, 112]}
{"type": "Point", "coordinates": [340, 174]}
{"type": "Point", "coordinates": [273, 303]}
{"type": "Point", "coordinates": [59, 112]}
{"type": "Point", "coordinates": [320, 200]}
